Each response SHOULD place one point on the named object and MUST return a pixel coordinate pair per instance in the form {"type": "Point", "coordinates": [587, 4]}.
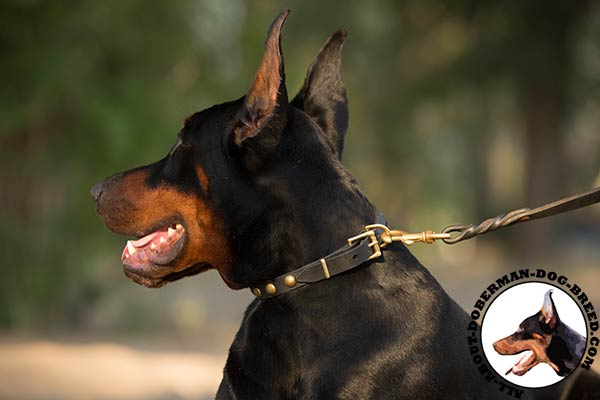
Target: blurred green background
{"type": "Point", "coordinates": [459, 110]}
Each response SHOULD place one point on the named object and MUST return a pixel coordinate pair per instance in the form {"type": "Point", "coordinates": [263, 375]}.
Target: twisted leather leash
{"type": "Point", "coordinates": [522, 215]}
{"type": "Point", "coordinates": [368, 245]}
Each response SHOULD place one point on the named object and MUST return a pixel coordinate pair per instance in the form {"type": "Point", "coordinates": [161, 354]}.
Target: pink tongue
{"type": "Point", "coordinates": [526, 358]}
{"type": "Point", "coordinates": [145, 240]}
{"type": "Point", "coordinates": [522, 363]}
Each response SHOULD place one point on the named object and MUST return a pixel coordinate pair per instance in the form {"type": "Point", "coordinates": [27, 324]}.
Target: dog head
{"type": "Point", "coordinates": [244, 178]}
{"type": "Point", "coordinates": [533, 337]}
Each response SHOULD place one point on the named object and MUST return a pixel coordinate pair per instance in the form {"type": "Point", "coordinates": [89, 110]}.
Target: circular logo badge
{"type": "Point", "coordinates": [533, 334]}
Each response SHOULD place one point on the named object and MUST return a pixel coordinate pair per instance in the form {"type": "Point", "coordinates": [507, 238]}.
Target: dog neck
{"type": "Point", "coordinates": [310, 211]}
{"type": "Point", "coordinates": [565, 349]}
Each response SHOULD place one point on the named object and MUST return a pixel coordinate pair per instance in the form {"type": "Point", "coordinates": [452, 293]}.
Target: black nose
{"type": "Point", "coordinates": [96, 191]}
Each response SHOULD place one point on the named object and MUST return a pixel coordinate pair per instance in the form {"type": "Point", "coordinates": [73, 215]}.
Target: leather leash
{"type": "Point", "coordinates": [368, 245]}
{"type": "Point", "coordinates": [522, 215]}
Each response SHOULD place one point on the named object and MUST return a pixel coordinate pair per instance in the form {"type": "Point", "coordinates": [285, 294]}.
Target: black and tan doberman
{"type": "Point", "coordinates": [255, 188]}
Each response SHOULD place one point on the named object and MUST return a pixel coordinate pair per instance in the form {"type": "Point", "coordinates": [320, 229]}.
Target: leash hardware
{"type": "Point", "coordinates": [412, 238]}
{"type": "Point", "coordinates": [389, 236]}
{"type": "Point", "coordinates": [373, 241]}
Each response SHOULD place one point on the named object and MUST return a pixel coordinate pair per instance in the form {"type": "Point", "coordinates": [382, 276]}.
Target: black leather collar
{"type": "Point", "coordinates": [341, 260]}
{"type": "Point", "coordinates": [360, 249]}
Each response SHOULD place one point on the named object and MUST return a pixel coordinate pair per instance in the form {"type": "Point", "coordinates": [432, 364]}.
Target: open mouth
{"type": "Point", "coordinates": [157, 248]}
{"type": "Point", "coordinates": [525, 363]}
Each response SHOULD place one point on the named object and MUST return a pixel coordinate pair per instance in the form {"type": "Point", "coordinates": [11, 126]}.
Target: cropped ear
{"type": "Point", "coordinates": [257, 133]}
{"type": "Point", "coordinates": [323, 94]}
{"type": "Point", "coordinates": [548, 312]}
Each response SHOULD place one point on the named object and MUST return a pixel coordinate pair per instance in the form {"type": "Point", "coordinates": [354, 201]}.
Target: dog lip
{"type": "Point", "coordinates": [124, 228]}
{"type": "Point", "coordinates": [161, 224]}
{"type": "Point", "coordinates": [143, 278]}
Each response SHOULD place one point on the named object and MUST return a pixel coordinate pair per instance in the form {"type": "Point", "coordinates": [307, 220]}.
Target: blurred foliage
{"type": "Point", "coordinates": [459, 109]}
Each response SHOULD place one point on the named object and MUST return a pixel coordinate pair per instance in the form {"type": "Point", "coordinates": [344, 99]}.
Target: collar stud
{"type": "Point", "coordinates": [289, 281]}
{"type": "Point", "coordinates": [270, 289]}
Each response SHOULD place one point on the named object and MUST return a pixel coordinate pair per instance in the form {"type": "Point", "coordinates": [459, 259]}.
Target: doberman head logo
{"type": "Point", "coordinates": [543, 338]}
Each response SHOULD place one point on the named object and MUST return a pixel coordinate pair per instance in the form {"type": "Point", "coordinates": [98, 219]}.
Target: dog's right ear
{"type": "Point", "coordinates": [323, 94]}
{"type": "Point", "coordinates": [257, 132]}
{"type": "Point", "coordinates": [549, 315]}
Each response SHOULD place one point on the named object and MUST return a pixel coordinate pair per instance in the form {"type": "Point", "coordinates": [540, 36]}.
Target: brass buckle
{"type": "Point", "coordinates": [373, 242]}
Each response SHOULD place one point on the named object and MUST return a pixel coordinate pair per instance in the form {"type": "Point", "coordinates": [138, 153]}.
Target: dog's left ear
{"type": "Point", "coordinates": [264, 114]}
{"type": "Point", "coordinates": [323, 94]}
{"type": "Point", "coordinates": [548, 312]}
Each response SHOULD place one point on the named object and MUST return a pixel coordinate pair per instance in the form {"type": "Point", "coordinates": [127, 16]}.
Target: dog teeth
{"type": "Point", "coordinates": [162, 240]}
{"type": "Point", "coordinates": [153, 246]}
{"type": "Point", "coordinates": [178, 226]}
{"type": "Point", "coordinates": [126, 255]}
{"type": "Point", "coordinates": [131, 248]}
{"type": "Point", "coordinates": [171, 231]}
